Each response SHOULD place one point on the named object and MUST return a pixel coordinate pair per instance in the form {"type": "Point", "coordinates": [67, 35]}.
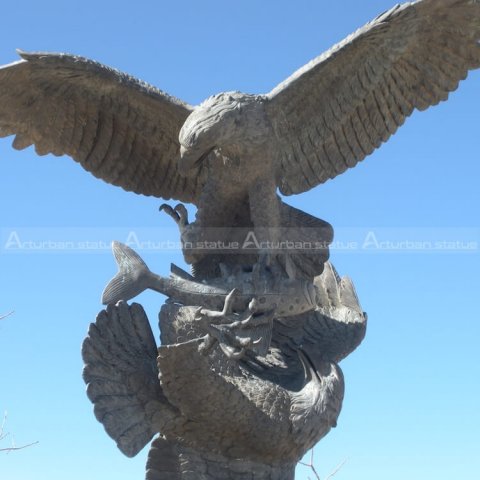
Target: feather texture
{"type": "Point", "coordinates": [118, 128]}
{"type": "Point", "coordinates": [336, 327]}
{"type": "Point", "coordinates": [122, 377]}
{"type": "Point", "coordinates": [340, 107]}
{"type": "Point", "coordinates": [171, 461]}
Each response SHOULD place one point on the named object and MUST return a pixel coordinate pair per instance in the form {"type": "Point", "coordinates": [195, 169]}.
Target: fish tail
{"type": "Point", "coordinates": [133, 276]}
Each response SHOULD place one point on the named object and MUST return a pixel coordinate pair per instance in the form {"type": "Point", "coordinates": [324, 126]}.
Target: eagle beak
{"type": "Point", "coordinates": [189, 161]}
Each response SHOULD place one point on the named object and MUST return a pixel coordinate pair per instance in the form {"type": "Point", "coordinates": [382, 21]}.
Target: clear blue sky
{"type": "Point", "coordinates": [412, 389]}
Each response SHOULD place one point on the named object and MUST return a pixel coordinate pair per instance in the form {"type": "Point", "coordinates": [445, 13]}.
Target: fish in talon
{"type": "Point", "coordinates": [286, 297]}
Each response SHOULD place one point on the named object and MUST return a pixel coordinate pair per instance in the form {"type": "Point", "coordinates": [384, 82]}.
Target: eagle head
{"type": "Point", "coordinates": [229, 122]}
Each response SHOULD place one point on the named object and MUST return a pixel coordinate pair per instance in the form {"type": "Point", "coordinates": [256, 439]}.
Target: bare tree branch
{"type": "Point", "coordinates": [336, 470]}
{"type": "Point", "coordinates": [4, 435]}
{"type": "Point", "coordinates": [13, 448]}
{"type": "Point", "coordinates": [2, 427]}
{"type": "Point", "coordinates": [6, 315]}
{"type": "Point", "coordinates": [311, 466]}
{"type": "Point", "coordinates": [317, 475]}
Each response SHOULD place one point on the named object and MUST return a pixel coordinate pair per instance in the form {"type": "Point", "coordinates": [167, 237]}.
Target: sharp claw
{"type": "Point", "coordinates": [182, 213]}
{"type": "Point", "coordinates": [253, 305]}
{"type": "Point", "coordinates": [169, 211]}
{"type": "Point", "coordinates": [222, 326]}
{"type": "Point", "coordinates": [164, 206]}
{"type": "Point", "coordinates": [245, 342]}
{"type": "Point", "coordinates": [232, 353]}
{"type": "Point", "coordinates": [245, 323]}
{"type": "Point", "coordinates": [179, 214]}
{"type": "Point", "coordinates": [228, 305]}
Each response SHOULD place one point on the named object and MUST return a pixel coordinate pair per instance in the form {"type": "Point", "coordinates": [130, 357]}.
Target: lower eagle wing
{"type": "Point", "coordinates": [340, 107]}
{"type": "Point", "coordinates": [336, 327]}
{"type": "Point", "coordinates": [121, 374]}
{"type": "Point", "coordinates": [118, 128]}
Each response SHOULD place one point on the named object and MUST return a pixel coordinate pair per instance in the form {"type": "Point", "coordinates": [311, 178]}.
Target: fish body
{"type": "Point", "coordinates": [285, 296]}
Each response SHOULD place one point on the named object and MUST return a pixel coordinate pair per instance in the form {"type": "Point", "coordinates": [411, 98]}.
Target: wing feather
{"type": "Point", "coordinates": [118, 128]}
{"type": "Point", "coordinates": [340, 107]}
{"type": "Point", "coordinates": [336, 327]}
{"type": "Point", "coordinates": [122, 377]}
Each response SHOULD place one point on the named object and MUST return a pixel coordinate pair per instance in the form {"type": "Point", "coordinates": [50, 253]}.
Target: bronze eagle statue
{"type": "Point", "coordinates": [246, 378]}
{"type": "Point", "coordinates": [230, 154]}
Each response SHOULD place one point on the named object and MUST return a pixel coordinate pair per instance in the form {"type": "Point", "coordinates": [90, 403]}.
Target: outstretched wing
{"type": "Point", "coordinates": [338, 108]}
{"type": "Point", "coordinates": [118, 128]}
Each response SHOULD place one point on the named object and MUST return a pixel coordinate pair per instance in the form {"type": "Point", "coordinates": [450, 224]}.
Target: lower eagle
{"type": "Point", "coordinates": [260, 408]}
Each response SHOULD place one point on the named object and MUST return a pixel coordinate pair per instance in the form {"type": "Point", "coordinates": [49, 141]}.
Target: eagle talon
{"type": "Point", "coordinates": [182, 214]}
{"type": "Point", "coordinates": [178, 213]}
{"type": "Point", "coordinates": [224, 314]}
{"type": "Point", "coordinates": [223, 326]}
{"type": "Point", "coordinates": [233, 354]}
